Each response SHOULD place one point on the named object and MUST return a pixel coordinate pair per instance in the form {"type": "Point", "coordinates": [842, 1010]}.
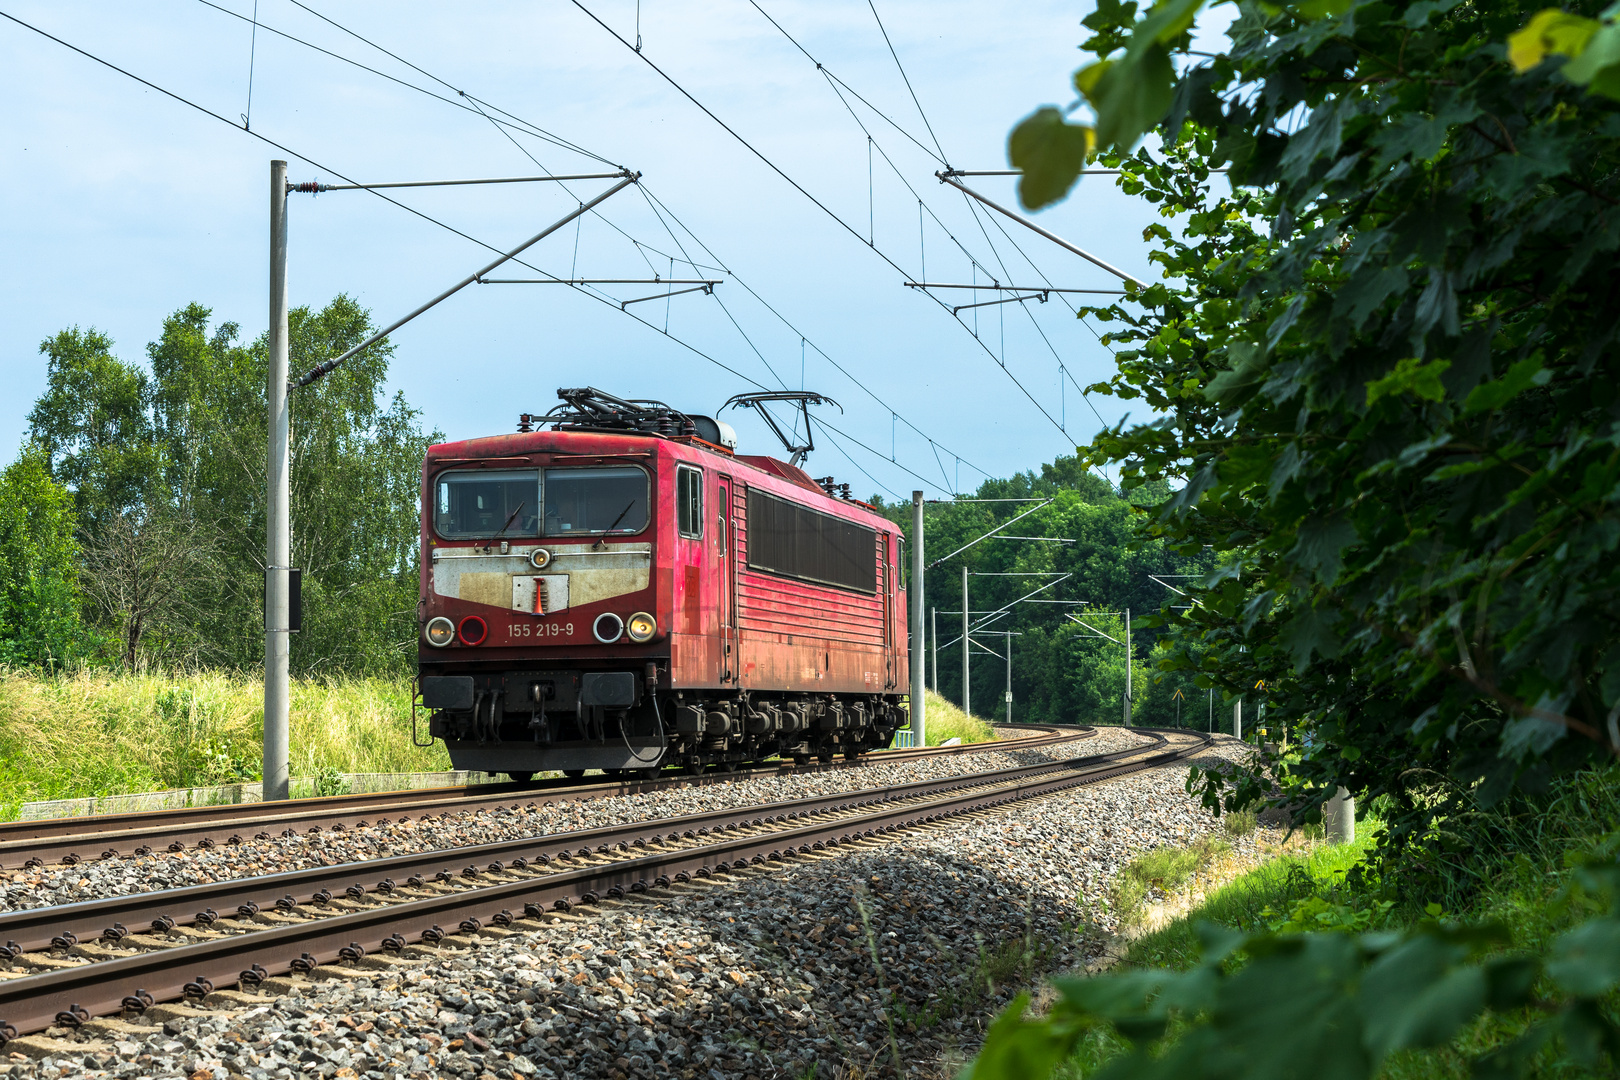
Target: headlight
{"type": "Point", "coordinates": [642, 626]}
{"type": "Point", "coordinates": [539, 558]}
{"type": "Point", "coordinates": [440, 632]}
{"type": "Point", "coordinates": [608, 627]}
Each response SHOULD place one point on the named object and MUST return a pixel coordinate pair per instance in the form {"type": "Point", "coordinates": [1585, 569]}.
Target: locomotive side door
{"type": "Point", "coordinates": [726, 583]}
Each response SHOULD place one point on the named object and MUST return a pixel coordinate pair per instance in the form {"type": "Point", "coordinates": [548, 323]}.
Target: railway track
{"type": "Point", "coordinates": [89, 963]}
{"type": "Point", "coordinates": [77, 839]}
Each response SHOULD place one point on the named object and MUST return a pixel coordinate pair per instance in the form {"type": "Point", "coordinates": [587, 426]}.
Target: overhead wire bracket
{"type": "Point", "coordinates": [1006, 288]}
{"type": "Point", "coordinates": [1041, 296]}
{"type": "Point", "coordinates": [322, 369]}
{"type": "Point", "coordinates": [707, 289]}
{"type": "Point", "coordinates": [945, 178]}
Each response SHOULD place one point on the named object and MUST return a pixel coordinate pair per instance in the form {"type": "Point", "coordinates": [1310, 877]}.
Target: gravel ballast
{"type": "Point", "coordinates": [92, 880]}
{"type": "Point", "coordinates": [885, 958]}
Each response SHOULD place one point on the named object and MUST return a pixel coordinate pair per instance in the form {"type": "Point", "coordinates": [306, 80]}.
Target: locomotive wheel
{"type": "Point", "coordinates": [573, 774]}
{"type": "Point", "coordinates": [826, 756]}
{"type": "Point", "coordinates": [852, 755]}
{"type": "Point", "coordinates": [521, 777]}
{"type": "Point", "coordinates": [693, 767]}
{"type": "Point", "coordinates": [648, 774]}
{"type": "Point", "coordinates": [725, 767]}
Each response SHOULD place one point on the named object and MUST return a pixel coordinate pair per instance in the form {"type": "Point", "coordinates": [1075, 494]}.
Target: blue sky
{"type": "Point", "coordinates": [122, 205]}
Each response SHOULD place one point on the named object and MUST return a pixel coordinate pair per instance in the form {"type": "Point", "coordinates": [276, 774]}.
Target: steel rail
{"type": "Point", "coordinates": [35, 1002]}
{"type": "Point", "coordinates": [54, 840]}
{"type": "Point", "coordinates": [32, 929]}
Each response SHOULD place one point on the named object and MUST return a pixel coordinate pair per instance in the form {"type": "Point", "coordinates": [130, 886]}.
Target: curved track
{"type": "Point", "coordinates": [74, 839]}
{"type": "Point", "coordinates": [548, 873]}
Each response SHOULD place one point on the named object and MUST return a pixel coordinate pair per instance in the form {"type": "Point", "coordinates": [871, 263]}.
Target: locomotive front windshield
{"type": "Point", "coordinates": [612, 500]}
{"type": "Point", "coordinates": [486, 503]}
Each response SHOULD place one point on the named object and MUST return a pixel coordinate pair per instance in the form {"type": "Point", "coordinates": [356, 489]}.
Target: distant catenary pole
{"type": "Point", "coordinates": [1128, 667]}
{"type": "Point", "coordinates": [967, 645]}
{"type": "Point", "coordinates": [933, 627]}
{"type": "Point", "coordinates": [278, 531]}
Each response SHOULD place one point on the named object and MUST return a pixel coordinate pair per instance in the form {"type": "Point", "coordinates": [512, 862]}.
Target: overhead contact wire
{"type": "Point", "coordinates": [805, 192]}
{"type": "Point", "coordinates": [905, 78]}
{"type": "Point", "coordinates": [478, 106]}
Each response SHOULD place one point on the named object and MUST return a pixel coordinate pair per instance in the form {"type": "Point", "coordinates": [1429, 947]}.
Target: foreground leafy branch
{"type": "Point", "coordinates": [1383, 373]}
{"type": "Point", "coordinates": [1330, 1005]}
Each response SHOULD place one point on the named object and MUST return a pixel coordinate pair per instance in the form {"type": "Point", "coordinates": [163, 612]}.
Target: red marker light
{"type": "Point", "coordinates": [473, 630]}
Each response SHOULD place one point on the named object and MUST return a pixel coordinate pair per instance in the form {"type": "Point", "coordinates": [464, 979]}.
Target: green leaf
{"type": "Point", "coordinates": [1320, 9]}
{"type": "Point", "coordinates": [1498, 392]}
{"type": "Point", "coordinates": [1586, 961]}
{"type": "Point", "coordinates": [1589, 1034]}
{"type": "Point", "coordinates": [1428, 1012]}
{"type": "Point", "coordinates": [1366, 290]}
{"type": "Point", "coordinates": [1129, 95]}
{"type": "Point", "coordinates": [1050, 152]}
{"type": "Point", "coordinates": [1249, 363]}
{"type": "Point", "coordinates": [1321, 544]}
{"type": "Point", "coordinates": [1597, 67]}
{"type": "Point", "coordinates": [1311, 631]}
{"type": "Point", "coordinates": [1016, 1047]}
{"type": "Point", "coordinates": [1411, 376]}
{"type": "Point", "coordinates": [1509, 982]}
{"type": "Point", "coordinates": [1550, 32]}
{"type": "Point", "coordinates": [1422, 136]}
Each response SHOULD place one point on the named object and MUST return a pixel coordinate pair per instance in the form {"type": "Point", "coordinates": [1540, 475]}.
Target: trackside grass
{"type": "Point", "coordinates": [1516, 874]}
{"type": "Point", "coordinates": [92, 733]}
{"type": "Point", "coordinates": [945, 721]}
{"type": "Point", "coordinates": [100, 733]}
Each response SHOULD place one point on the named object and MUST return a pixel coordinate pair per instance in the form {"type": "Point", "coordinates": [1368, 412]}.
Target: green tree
{"type": "Point", "coordinates": [1385, 374]}
{"type": "Point", "coordinates": [94, 423]}
{"type": "Point", "coordinates": [1107, 558]}
{"type": "Point", "coordinates": [1392, 409]}
{"type": "Point", "coordinates": [39, 599]}
{"type": "Point", "coordinates": [178, 456]}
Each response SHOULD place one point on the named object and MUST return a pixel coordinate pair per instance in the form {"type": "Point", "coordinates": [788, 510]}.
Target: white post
{"type": "Point", "coordinates": [1009, 676]}
{"type": "Point", "coordinates": [919, 700]}
{"type": "Point", "coordinates": [933, 625]}
{"type": "Point", "coordinates": [967, 646]}
{"type": "Point", "coordinates": [1237, 719]}
{"type": "Point", "coordinates": [1128, 666]}
{"type": "Point", "coordinates": [1339, 817]}
{"type": "Point", "coordinates": [278, 538]}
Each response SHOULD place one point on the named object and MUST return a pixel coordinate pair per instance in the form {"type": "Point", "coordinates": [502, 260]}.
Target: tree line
{"type": "Point", "coordinates": [132, 532]}
{"type": "Point", "coordinates": [1095, 559]}
{"type": "Point", "coordinates": [132, 522]}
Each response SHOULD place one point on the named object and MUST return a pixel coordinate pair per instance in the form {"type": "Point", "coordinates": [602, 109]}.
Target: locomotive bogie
{"type": "Point", "coordinates": [622, 602]}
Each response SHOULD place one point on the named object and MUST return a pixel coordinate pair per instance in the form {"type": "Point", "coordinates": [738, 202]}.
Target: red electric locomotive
{"type": "Point", "coordinates": [622, 591]}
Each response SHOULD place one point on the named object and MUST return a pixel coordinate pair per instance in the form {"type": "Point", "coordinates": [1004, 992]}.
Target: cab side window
{"type": "Point", "coordinates": [689, 501]}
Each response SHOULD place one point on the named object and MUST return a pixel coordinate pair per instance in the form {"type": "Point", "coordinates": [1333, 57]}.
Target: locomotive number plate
{"type": "Point", "coordinates": [526, 629]}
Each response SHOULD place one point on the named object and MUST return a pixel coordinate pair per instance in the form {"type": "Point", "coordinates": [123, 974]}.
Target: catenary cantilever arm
{"type": "Point", "coordinates": [1028, 224]}
{"type": "Point", "coordinates": [326, 367]}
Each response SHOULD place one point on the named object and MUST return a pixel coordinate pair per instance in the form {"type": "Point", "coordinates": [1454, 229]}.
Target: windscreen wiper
{"type": "Point", "coordinates": [603, 538]}
{"type": "Point", "coordinates": [510, 519]}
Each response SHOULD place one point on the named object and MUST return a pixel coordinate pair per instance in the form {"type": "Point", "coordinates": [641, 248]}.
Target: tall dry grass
{"type": "Point", "coordinates": [101, 733]}
{"type": "Point", "coordinates": [95, 733]}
